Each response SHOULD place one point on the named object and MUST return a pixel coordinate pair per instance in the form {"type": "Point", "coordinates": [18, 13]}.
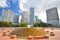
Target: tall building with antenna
{"type": "Point", "coordinates": [31, 16]}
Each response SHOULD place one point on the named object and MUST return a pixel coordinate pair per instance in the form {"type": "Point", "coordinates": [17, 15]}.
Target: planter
{"type": "Point", "coordinates": [2, 28]}
{"type": "Point", "coordinates": [5, 34]}
{"type": "Point", "coordinates": [47, 31]}
{"type": "Point", "coordinates": [46, 37]}
{"type": "Point", "coordinates": [52, 29]}
{"type": "Point", "coordinates": [13, 36]}
{"type": "Point", "coordinates": [38, 37]}
{"type": "Point", "coordinates": [8, 31]}
{"type": "Point", "coordinates": [52, 34]}
{"type": "Point", "coordinates": [30, 37]}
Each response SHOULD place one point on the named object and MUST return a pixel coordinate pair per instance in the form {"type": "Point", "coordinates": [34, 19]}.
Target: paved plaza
{"type": "Point", "coordinates": [8, 30]}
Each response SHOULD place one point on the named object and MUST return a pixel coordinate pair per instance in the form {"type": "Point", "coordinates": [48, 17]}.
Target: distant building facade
{"type": "Point", "coordinates": [7, 16]}
{"type": "Point", "coordinates": [31, 16]}
{"type": "Point", "coordinates": [16, 18]}
{"type": "Point", "coordinates": [38, 21]}
{"type": "Point", "coordinates": [24, 18]}
{"type": "Point", "coordinates": [52, 16]}
{"type": "Point", "coordinates": [36, 17]}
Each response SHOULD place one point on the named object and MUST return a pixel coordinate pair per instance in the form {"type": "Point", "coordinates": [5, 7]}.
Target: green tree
{"type": "Point", "coordinates": [6, 24]}
{"type": "Point", "coordinates": [16, 25]}
{"type": "Point", "coordinates": [50, 25]}
{"type": "Point", "coordinates": [36, 24]}
{"type": "Point", "coordinates": [23, 24]}
{"type": "Point", "coordinates": [43, 24]}
{"type": "Point", "coordinates": [10, 24]}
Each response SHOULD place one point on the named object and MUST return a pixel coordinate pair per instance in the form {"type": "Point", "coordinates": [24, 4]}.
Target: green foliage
{"type": "Point", "coordinates": [41, 24]}
{"type": "Point", "coordinates": [5, 24]}
{"type": "Point", "coordinates": [36, 24]}
{"type": "Point", "coordinates": [14, 25]}
{"type": "Point", "coordinates": [23, 25]}
{"type": "Point", "coordinates": [10, 24]}
{"type": "Point", "coordinates": [50, 25]}
{"type": "Point", "coordinates": [20, 25]}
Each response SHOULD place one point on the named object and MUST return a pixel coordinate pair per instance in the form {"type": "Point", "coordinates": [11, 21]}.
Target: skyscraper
{"type": "Point", "coordinates": [16, 18]}
{"type": "Point", "coordinates": [7, 16]}
{"type": "Point", "coordinates": [31, 16]}
{"type": "Point", "coordinates": [24, 17]}
{"type": "Point", "coordinates": [52, 16]}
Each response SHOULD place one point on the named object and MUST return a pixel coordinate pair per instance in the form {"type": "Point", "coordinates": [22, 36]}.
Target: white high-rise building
{"type": "Point", "coordinates": [52, 16]}
{"type": "Point", "coordinates": [24, 18]}
{"type": "Point", "coordinates": [7, 16]}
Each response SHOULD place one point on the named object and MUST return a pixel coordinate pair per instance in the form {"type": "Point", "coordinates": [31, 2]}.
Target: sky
{"type": "Point", "coordinates": [10, 4]}
{"type": "Point", "coordinates": [40, 7]}
{"type": "Point", "coordinates": [18, 6]}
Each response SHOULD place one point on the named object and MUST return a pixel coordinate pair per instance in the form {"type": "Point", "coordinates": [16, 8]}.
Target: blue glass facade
{"type": "Point", "coordinates": [16, 19]}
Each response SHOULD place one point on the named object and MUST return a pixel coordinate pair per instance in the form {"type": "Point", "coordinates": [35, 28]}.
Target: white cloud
{"type": "Point", "coordinates": [21, 3]}
{"type": "Point", "coordinates": [40, 6]}
{"type": "Point", "coordinates": [3, 3]}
